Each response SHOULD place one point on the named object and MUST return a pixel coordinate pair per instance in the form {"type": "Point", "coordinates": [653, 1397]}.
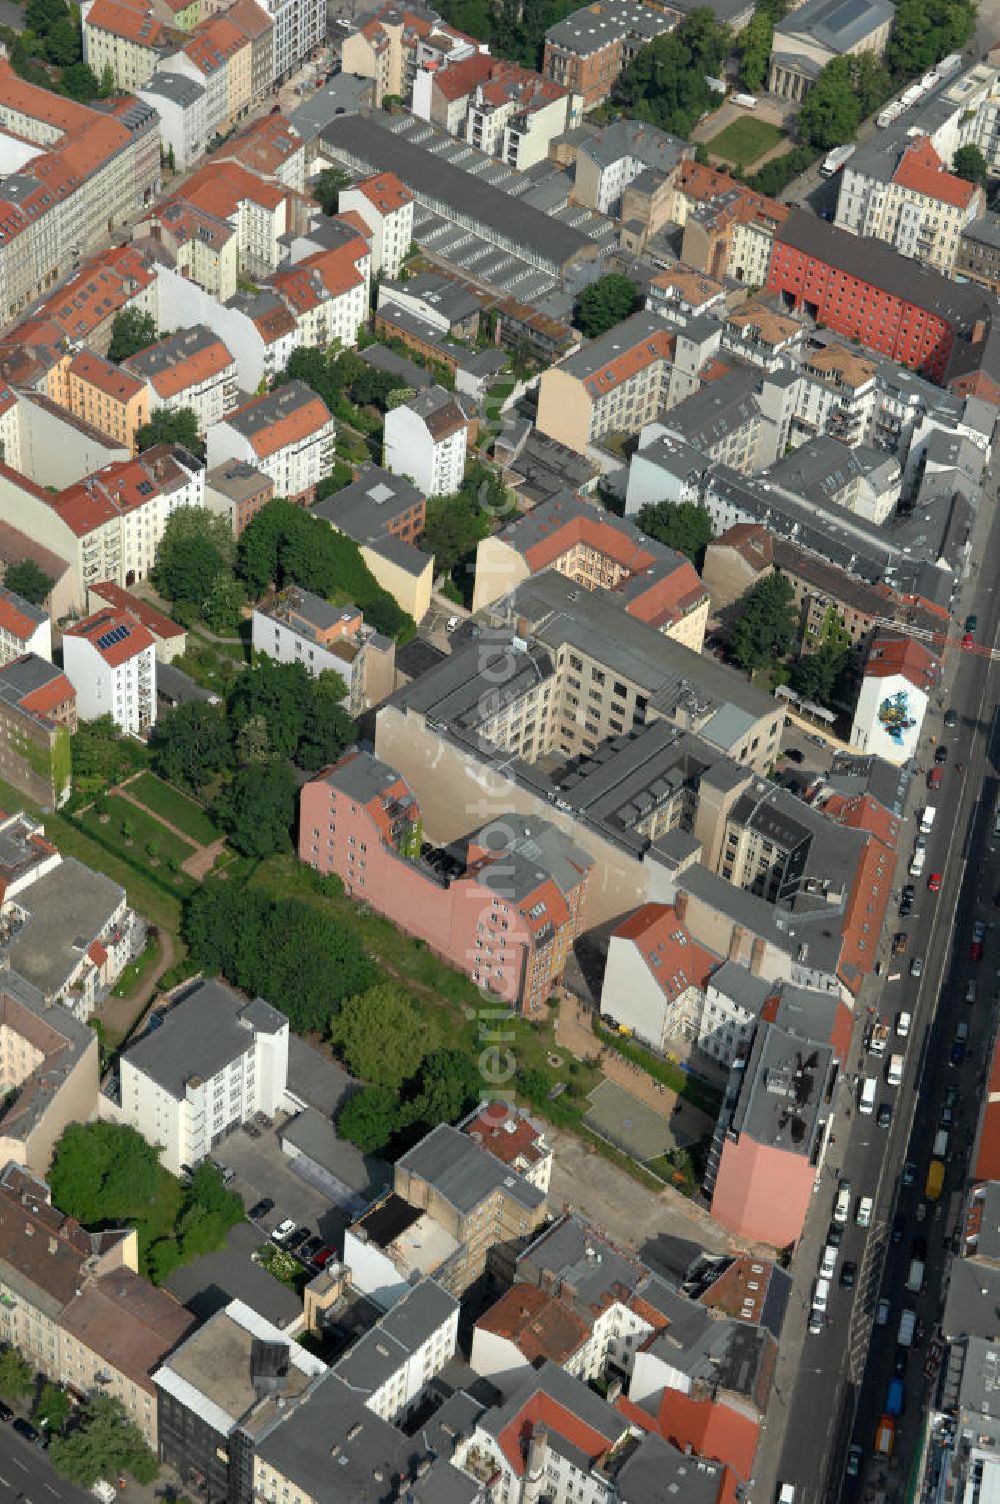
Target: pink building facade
{"type": "Point", "coordinates": [505, 913]}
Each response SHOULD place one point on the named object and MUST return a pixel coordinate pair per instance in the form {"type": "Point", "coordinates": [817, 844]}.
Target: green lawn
{"type": "Point", "coordinates": [138, 969]}
{"type": "Point", "coordinates": [176, 807]}
{"type": "Point", "coordinates": [745, 141]}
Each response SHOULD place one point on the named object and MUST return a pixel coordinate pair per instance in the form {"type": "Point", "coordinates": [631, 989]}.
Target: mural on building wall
{"type": "Point", "coordinates": [894, 716]}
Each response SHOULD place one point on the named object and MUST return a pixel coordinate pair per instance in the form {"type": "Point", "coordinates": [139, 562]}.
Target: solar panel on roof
{"type": "Point", "coordinates": [108, 639]}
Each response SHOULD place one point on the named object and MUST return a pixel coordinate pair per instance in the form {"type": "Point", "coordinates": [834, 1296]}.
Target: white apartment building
{"type": "Point", "coordinates": [190, 368]}
{"type": "Point", "coordinates": [110, 660]}
{"type": "Point", "coordinates": [327, 294]}
{"type": "Point", "coordinates": [299, 26]}
{"type": "Point", "coordinates": [213, 1062]}
{"type": "Point", "coordinates": [516, 113]}
{"type": "Point", "coordinates": [180, 103]}
{"type": "Point", "coordinates": [909, 199]}
{"type": "Point", "coordinates": [24, 628]}
{"type": "Point", "coordinates": [287, 433]}
{"type": "Point", "coordinates": [427, 440]}
{"type": "Point", "coordinates": [125, 36]}
{"type": "Point", "coordinates": [386, 207]}
{"type": "Point", "coordinates": [392, 1364]}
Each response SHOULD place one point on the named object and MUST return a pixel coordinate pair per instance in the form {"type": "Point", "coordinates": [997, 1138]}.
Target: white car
{"type": "Point", "coordinates": [882, 1313]}
{"type": "Point", "coordinates": [903, 1021]}
{"type": "Point", "coordinates": [863, 1216]}
{"type": "Point", "coordinates": [283, 1231]}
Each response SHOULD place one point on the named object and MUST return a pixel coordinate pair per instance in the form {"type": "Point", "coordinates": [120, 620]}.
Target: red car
{"type": "Point", "coordinates": [967, 639]}
{"type": "Point", "coordinates": [934, 778]}
{"type": "Point", "coordinates": [934, 882]}
{"type": "Point", "coordinates": [978, 936]}
{"type": "Point", "coordinates": [976, 950]}
{"type": "Point", "coordinates": [323, 1258]}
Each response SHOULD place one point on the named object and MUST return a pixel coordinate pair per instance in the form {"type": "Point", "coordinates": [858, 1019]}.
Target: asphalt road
{"type": "Point", "coordinates": [835, 1392]}
{"type": "Point", "coordinates": [27, 1478]}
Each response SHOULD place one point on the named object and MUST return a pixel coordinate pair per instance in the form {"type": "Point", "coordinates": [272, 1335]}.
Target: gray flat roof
{"type": "Point", "coordinates": [210, 1282]}
{"type": "Point", "coordinates": [403, 1329]}
{"type": "Point", "coordinates": [839, 25]}
{"type": "Point", "coordinates": [67, 909]}
{"type": "Point", "coordinates": [314, 1135]}
{"type": "Point", "coordinates": [462, 1173]}
{"type": "Point", "coordinates": [783, 1091]}
{"type": "Point", "coordinates": [658, 1473]}
{"type": "Point", "coordinates": [209, 1026]}
{"type": "Point", "coordinates": [366, 508]}
{"type": "Point", "coordinates": [371, 140]}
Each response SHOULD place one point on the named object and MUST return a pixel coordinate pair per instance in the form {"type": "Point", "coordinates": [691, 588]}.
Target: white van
{"type": "Point", "coordinates": [915, 1278]}
{"type": "Point", "coordinates": [903, 1021]}
{"type": "Point", "coordinates": [894, 1073]}
{"type": "Point", "coordinates": [863, 1215]}
{"type": "Point", "coordinates": [786, 1493]}
{"type": "Point", "coordinates": [866, 1101]}
{"type": "Point", "coordinates": [970, 992]}
{"type": "Point", "coordinates": [842, 1205]}
{"type": "Point", "coordinates": [940, 1149]}
{"type": "Point", "coordinates": [927, 818]}
{"type": "Point", "coordinates": [828, 1263]}
{"type": "Point", "coordinates": [821, 1294]}
{"type": "Point", "coordinates": [907, 1327]}
{"type": "Point", "coordinates": [961, 1031]}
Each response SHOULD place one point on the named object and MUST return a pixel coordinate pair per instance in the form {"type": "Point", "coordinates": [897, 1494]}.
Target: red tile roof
{"type": "Point", "coordinates": [711, 1428]}
{"type": "Point", "coordinates": [902, 655]}
{"type": "Point", "coordinates": [310, 416]}
{"type": "Point", "coordinates": [385, 192]}
{"type": "Point", "coordinates": [48, 698]}
{"type": "Point", "coordinates": [922, 170]}
{"type": "Point", "coordinates": [987, 1165]}
{"type": "Point", "coordinates": [508, 1135]}
{"type": "Point", "coordinates": [94, 370]}
{"type": "Point", "coordinates": [154, 621]}
{"type": "Point", "coordinates": [135, 23]}
{"type": "Point", "coordinates": [867, 904]}
{"type": "Point", "coordinates": [134, 638]}
{"type": "Point", "coordinates": [539, 1325]}
{"type": "Point", "coordinates": [13, 619]}
{"type": "Point", "coordinates": [541, 1410]}
{"type": "Point", "coordinates": [188, 369]}
{"type": "Point", "coordinates": [458, 80]}
{"type": "Point", "coordinates": [265, 145]}
{"type": "Point", "coordinates": [674, 960]}
{"type": "Point", "coordinates": [645, 352]}
{"type": "Point", "coordinates": [220, 187]}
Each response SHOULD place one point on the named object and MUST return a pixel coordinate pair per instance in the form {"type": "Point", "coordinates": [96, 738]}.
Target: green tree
{"type": "Point", "coordinates": [280, 692]}
{"type": "Point", "coordinates": [197, 546]}
{"type": "Point", "coordinates": [970, 164]}
{"type": "Point", "coordinates": [51, 1409]}
{"type": "Point", "coordinates": [448, 1085]}
{"type": "Point", "coordinates": [27, 580]}
{"type": "Point", "coordinates": [821, 675]}
{"type": "Point", "coordinates": [104, 1443]}
{"type": "Point", "coordinates": [665, 83]}
{"type": "Point", "coordinates": [327, 729]}
{"type": "Point", "coordinates": [369, 1118]}
{"type": "Point", "coordinates": [380, 1035]}
{"type": "Point", "coordinates": [533, 1085]}
{"type": "Point", "coordinates": [831, 112]}
{"type": "Point", "coordinates": [16, 1377]}
{"type": "Point", "coordinates": [107, 85]}
{"type": "Point", "coordinates": [80, 82]}
{"type": "Point", "coordinates": [62, 43]}
{"type": "Point", "coordinates": [221, 608]}
{"type": "Point", "coordinates": [327, 188]}
{"type": "Point", "coordinates": [755, 49]}
{"type": "Point", "coordinates": [766, 623]}
{"type": "Point", "coordinates": [41, 15]}
{"type": "Point", "coordinates": [683, 525]}
{"type": "Point", "coordinates": [172, 426]}
{"type": "Point", "coordinates": [104, 1174]}
{"type": "Point", "coordinates": [253, 741]}
{"type": "Point", "coordinates": [190, 744]}
{"type": "Point", "coordinates": [257, 809]}
{"type": "Point", "coordinates": [924, 31]}
{"type": "Point", "coordinates": [102, 756]}
{"type": "Point", "coordinates": [209, 1211]}
{"type": "Point", "coordinates": [171, 158]}
{"type": "Point", "coordinates": [131, 331]}
{"type": "Point", "coordinates": [605, 303]}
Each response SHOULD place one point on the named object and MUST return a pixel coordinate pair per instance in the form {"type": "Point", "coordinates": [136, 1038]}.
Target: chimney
{"type": "Point", "coordinates": [735, 943]}
{"type": "Point", "coordinates": [757, 956]}
{"type": "Point", "coordinates": [681, 905]}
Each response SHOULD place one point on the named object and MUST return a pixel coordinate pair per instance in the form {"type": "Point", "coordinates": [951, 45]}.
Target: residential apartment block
{"type": "Point", "coordinates": [212, 1063]}
{"type": "Point", "coordinates": [597, 551]}
{"type": "Point", "coordinates": [288, 434]}
{"type": "Point", "coordinates": [299, 627]}
{"type": "Point", "coordinates": [511, 1136]}
{"type": "Point", "coordinates": [390, 1367]}
{"type": "Point", "coordinates": [614, 384]}
{"type": "Point", "coordinates": [386, 207]}
{"type": "Point", "coordinates": [24, 628]}
{"type": "Point", "coordinates": [64, 198]}
{"type": "Point", "coordinates": [106, 396]}
{"type": "Point", "coordinates": [394, 42]}
{"type": "Point", "coordinates": [80, 1313]}
{"type": "Point", "coordinates": [180, 104]}
{"type": "Point", "coordinates": [327, 292]}
{"type": "Point", "coordinates": [426, 439]}
{"type": "Point", "coordinates": [909, 199]}
{"type": "Point", "coordinates": [126, 36]}
{"type": "Point", "coordinates": [385, 514]}
{"type": "Point", "coordinates": [237, 491]}
{"type": "Point", "coordinates": [37, 719]}
{"type": "Point", "coordinates": [110, 661]}
{"type": "Point", "coordinates": [588, 50]}
{"type": "Point", "coordinates": [191, 368]}
{"type": "Point", "coordinates": [505, 915]}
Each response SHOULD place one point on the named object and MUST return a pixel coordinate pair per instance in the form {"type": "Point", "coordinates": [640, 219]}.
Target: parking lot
{"type": "Point", "coordinates": [262, 1170]}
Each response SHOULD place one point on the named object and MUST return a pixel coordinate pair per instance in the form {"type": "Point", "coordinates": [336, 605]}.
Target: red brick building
{"type": "Point", "coordinates": [867, 291]}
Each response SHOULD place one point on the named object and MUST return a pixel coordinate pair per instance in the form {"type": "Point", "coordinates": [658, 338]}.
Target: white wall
{"type": "Point", "coordinates": [57, 452]}
{"type": "Point", "coordinates": [372, 1272]}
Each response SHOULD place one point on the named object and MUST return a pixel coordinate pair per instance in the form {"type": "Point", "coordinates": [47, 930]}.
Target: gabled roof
{"type": "Point", "coordinates": [116, 636]}
{"type": "Point", "coordinates": [674, 961]}
{"type": "Point", "coordinates": [921, 169]}
{"type": "Point", "coordinates": [891, 654]}
{"type": "Point", "coordinates": [135, 23]}
{"type": "Point", "coordinates": [114, 381]}
{"type": "Point", "coordinates": [181, 360]}
{"type": "Point", "coordinates": [279, 418]}
{"type": "Point", "coordinates": [384, 192]}
{"type": "Point", "coordinates": [539, 1325]}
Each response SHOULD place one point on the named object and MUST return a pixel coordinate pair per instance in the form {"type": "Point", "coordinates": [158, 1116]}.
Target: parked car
{"type": "Point", "coordinates": [978, 936]}
{"type": "Point", "coordinates": [884, 1117]}
{"type": "Point", "coordinates": [906, 900]}
{"type": "Point", "coordinates": [957, 1052]}
{"type": "Point", "coordinates": [321, 1259]}
{"type": "Point", "coordinates": [899, 1364]}
{"type": "Point", "coordinates": [882, 1311]}
{"type": "Point", "coordinates": [848, 1274]}
{"type": "Point", "coordinates": [968, 640]}
{"type": "Point", "coordinates": [951, 719]}
{"type": "Point", "coordinates": [834, 1235]}
{"type": "Point", "coordinates": [898, 1228]}
{"type": "Point", "coordinates": [6, 1413]}
{"type": "Point", "coordinates": [283, 1231]}
{"type": "Point", "coordinates": [854, 1455]}
{"type": "Point", "coordinates": [971, 622]}
{"type": "Point", "coordinates": [917, 966]}
{"type": "Point", "coordinates": [941, 754]}
{"type": "Point", "coordinates": [260, 1209]}
{"type": "Point", "coordinates": [299, 1237]}
{"type": "Point", "coordinates": [934, 882]}
{"type": "Point", "coordinates": [25, 1429]}
{"type": "Point", "coordinates": [794, 754]}
{"type": "Point", "coordinates": [909, 1173]}
{"type": "Point", "coordinates": [311, 1247]}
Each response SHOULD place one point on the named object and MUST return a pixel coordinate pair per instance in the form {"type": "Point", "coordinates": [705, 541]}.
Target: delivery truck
{"type": "Point", "coordinates": [885, 1437]}
{"type": "Point", "coordinates": [935, 1179]}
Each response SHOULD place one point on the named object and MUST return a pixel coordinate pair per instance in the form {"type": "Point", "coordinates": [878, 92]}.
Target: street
{"type": "Point", "coordinates": [27, 1478]}
{"type": "Point", "coordinates": [830, 1388]}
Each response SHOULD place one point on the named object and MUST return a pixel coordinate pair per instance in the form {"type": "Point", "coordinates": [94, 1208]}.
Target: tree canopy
{"type": "Point", "coordinates": [102, 756]}
{"type": "Point", "coordinates": [28, 580]}
{"type": "Point", "coordinates": [305, 721]}
{"type": "Point", "coordinates": [257, 808]}
{"type": "Point", "coordinates": [822, 675]}
{"type": "Point", "coordinates": [196, 549]}
{"type": "Point", "coordinates": [288, 951]}
{"type": "Point", "coordinates": [190, 744]}
{"type": "Point", "coordinates": [924, 31]}
{"type": "Point", "coordinates": [16, 1377]}
{"type": "Point", "coordinates": [665, 83]}
{"type": "Point", "coordinates": [683, 525]}
{"type": "Point", "coordinates": [327, 187]}
{"type": "Point", "coordinates": [131, 331]}
{"type": "Point", "coordinates": [380, 1035]}
{"type": "Point", "coordinates": [104, 1174]}
{"type": "Point", "coordinates": [102, 1443]}
{"type": "Point", "coordinates": [970, 164]}
{"type": "Point", "coordinates": [755, 49]}
{"type": "Point", "coordinates": [369, 1118]}
{"type": "Point", "coordinates": [605, 303]}
{"type": "Point", "coordinates": [455, 525]}
{"type": "Point", "coordinates": [172, 426]}
{"type": "Point", "coordinates": [766, 623]}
